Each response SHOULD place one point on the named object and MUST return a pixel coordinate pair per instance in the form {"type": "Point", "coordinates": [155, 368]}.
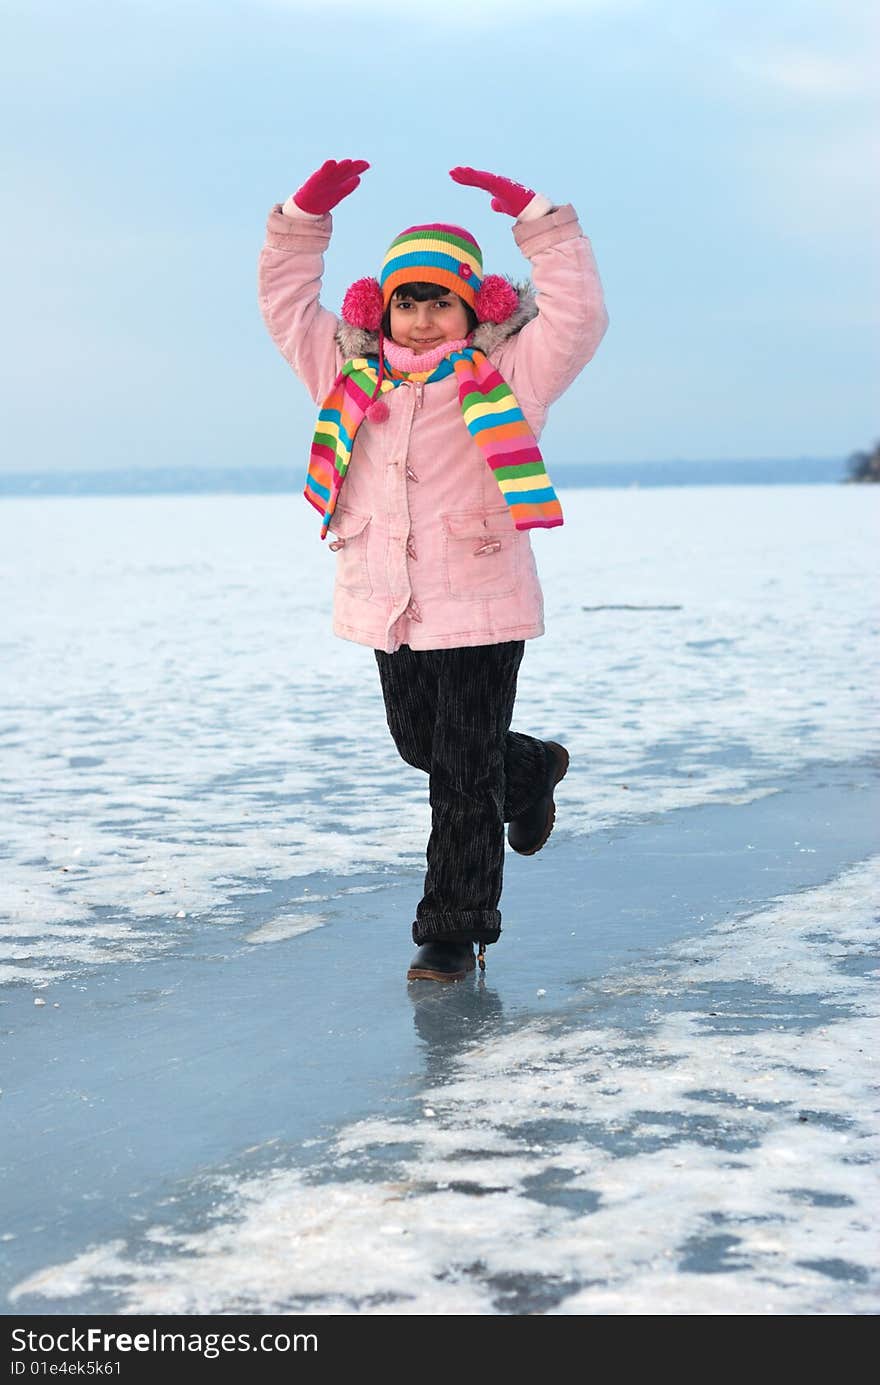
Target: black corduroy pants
{"type": "Point", "coordinates": [449, 713]}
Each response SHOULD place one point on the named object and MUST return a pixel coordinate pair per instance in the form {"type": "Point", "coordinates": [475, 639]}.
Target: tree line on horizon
{"type": "Point", "coordinates": [865, 466]}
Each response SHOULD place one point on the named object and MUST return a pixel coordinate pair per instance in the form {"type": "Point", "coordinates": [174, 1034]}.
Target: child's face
{"type": "Point", "coordinates": [423, 326]}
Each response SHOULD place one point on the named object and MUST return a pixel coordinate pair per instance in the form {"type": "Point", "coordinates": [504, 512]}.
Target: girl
{"type": "Point", "coordinates": [434, 387]}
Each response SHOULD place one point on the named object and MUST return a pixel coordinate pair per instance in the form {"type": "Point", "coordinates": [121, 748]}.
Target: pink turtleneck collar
{"type": "Point", "coordinates": [403, 359]}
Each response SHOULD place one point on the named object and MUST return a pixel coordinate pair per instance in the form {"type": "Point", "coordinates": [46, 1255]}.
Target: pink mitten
{"type": "Point", "coordinates": [329, 185]}
{"type": "Point", "coordinates": [507, 196]}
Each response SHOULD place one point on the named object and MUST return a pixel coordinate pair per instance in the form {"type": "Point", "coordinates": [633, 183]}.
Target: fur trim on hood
{"type": "Point", "coordinates": [488, 336]}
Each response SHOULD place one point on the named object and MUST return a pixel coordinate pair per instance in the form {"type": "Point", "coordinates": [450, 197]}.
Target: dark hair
{"type": "Point", "coordinates": [422, 292]}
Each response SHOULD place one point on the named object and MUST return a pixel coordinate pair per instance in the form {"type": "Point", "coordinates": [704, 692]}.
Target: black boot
{"type": "Point", "coordinates": [440, 961]}
{"type": "Point", "coordinates": [527, 834]}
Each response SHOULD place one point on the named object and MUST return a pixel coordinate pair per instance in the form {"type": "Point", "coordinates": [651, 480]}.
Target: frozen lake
{"type": "Point", "coordinates": [221, 1096]}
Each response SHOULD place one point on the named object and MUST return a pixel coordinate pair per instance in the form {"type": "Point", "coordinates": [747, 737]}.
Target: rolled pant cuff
{"type": "Point", "coordinates": [460, 926]}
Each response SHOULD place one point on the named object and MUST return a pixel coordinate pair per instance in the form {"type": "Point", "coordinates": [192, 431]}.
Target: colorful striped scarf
{"type": "Point", "coordinates": [491, 415]}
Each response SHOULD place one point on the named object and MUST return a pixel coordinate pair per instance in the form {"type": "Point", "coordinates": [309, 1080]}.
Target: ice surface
{"type": "Point", "coordinates": [679, 1117]}
{"type": "Point", "coordinates": [701, 1138]}
{"type": "Point", "coordinates": [180, 727]}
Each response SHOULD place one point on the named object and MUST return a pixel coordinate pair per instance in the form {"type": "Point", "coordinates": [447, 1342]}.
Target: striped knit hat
{"type": "Point", "coordinates": [434, 254]}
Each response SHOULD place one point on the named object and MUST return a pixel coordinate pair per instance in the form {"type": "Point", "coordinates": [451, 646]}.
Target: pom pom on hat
{"type": "Point", "coordinates": [362, 305]}
{"type": "Point", "coordinates": [497, 300]}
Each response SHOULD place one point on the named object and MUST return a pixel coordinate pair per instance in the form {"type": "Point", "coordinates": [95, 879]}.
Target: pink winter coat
{"type": "Point", "coordinates": [426, 549]}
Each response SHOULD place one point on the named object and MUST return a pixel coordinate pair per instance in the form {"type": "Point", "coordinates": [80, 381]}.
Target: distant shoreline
{"type": "Point", "coordinates": [283, 480]}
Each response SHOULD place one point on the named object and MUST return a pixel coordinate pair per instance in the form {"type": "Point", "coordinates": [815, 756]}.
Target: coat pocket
{"type": "Point", "coordinates": [351, 533]}
{"type": "Point", "coordinates": [480, 554]}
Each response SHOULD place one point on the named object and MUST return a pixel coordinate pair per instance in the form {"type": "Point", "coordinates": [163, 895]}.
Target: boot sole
{"type": "Point", "coordinates": [533, 850]}
{"type": "Point", "coordinates": [425, 973]}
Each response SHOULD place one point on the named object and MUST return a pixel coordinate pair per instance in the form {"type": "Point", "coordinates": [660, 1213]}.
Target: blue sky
{"type": "Point", "coordinates": [722, 158]}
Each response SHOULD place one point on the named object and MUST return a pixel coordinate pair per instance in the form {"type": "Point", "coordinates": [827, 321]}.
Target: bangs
{"type": "Point", "coordinates": [422, 292]}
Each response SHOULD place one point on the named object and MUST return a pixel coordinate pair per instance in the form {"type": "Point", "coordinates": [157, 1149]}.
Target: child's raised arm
{"type": "Point", "coordinates": [543, 359]}
{"type": "Point", "coordinates": [290, 272]}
